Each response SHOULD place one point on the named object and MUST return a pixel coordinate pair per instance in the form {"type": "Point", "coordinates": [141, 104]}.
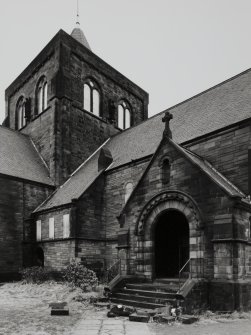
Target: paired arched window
{"type": "Point", "coordinates": [166, 171]}
{"type": "Point", "coordinates": [128, 190]}
{"type": "Point", "coordinates": [41, 95]}
{"type": "Point", "coordinates": [91, 98]}
{"type": "Point", "coordinates": [21, 113]}
{"type": "Point", "coordinates": [124, 115]}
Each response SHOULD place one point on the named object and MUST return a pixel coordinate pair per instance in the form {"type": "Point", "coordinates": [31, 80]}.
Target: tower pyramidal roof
{"type": "Point", "coordinates": [78, 33]}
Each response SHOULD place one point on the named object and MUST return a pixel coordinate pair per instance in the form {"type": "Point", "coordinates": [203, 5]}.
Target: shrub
{"type": "Point", "coordinates": [80, 276]}
{"type": "Point", "coordinates": [35, 274]}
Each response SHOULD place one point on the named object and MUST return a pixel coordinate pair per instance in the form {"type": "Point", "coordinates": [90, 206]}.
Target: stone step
{"type": "Point", "coordinates": [142, 298]}
{"type": "Point", "coordinates": [173, 282]}
{"type": "Point", "coordinates": [145, 293]}
{"type": "Point", "coordinates": [139, 304]}
{"type": "Point", "coordinates": [153, 287]}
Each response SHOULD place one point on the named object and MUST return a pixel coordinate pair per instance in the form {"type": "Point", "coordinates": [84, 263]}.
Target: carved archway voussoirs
{"type": "Point", "coordinates": [166, 201]}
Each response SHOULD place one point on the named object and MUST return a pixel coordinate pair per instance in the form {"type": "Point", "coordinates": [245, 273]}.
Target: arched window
{"type": "Point", "coordinates": [166, 171]}
{"type": "Point", "coordinates": [124, 116]}
{"type": "Point", "coordinates": [21, 113]}
{"type": "Point", "coordinates": [91, 98]}
{"type": "Point", "coordinates": [128, 190]}
{"type": "Point", "coordinates": [41, 95]}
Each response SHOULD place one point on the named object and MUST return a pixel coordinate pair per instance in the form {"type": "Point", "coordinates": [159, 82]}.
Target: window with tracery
{"type": "Point", "coordinates": [21, 113]}
{"type": "Point", "coordinates": [166, 171]}
{"type": "Point", "coordinates": [128, 190]}
{"type": "Point", "coordinates": [124, 115]}
{"type": "Point", "coordinates": [42, 95]}
{"type": "Point", "coordinates": [91, 98]}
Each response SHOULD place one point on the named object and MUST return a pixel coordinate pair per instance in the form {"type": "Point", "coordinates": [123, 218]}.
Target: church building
{"type": "Point", "coordinates": [86, 175]}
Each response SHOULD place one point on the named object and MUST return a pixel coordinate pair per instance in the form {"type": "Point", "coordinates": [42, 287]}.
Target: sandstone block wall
{"type": "Point", "coordinates": [187, 178]}
{"type": "Point", "coordinates": [228, 152]}
{"type": "Point", "coordinates": [17, 199]}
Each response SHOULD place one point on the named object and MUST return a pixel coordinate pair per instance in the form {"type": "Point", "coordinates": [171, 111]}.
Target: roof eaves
{"type": "Point", "coordinates": [31, 181]}
{"type": "Point", "coordinates": [39, 209]}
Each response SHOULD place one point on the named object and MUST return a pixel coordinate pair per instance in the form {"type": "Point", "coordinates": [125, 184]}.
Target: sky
{"type": "Point", "coordinates": [173, 49]}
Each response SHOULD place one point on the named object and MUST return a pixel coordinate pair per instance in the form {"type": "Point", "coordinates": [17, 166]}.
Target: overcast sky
{"type": "Point", "coordinates": [173, 49]}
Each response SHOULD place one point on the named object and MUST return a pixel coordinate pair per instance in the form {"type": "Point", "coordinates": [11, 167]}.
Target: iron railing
{"type": "Point", "coordinates": [113, 271]}
{"type": "Point", "coordinates": [182, 269]}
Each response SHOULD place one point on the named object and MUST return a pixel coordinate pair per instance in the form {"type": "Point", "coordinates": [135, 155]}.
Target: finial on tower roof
{"type": "Point", "coordinates": [77, 21]}
{"type": "Point", "coordinates": [77, 32]}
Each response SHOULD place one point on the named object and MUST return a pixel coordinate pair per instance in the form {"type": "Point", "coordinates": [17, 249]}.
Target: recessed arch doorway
{"type": "Point", "coordinates": [171, 243]}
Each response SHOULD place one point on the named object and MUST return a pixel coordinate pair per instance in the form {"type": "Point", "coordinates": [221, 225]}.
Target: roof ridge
{"type": "Point", "coordinates": [40, 156]}
{"type": "Point", "coordinates": [186, 100]}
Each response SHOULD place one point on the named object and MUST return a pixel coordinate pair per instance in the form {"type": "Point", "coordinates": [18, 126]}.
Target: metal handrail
{"type": "Point", "coordinates": [117, 270]}
{"type": "Point", "coordinates": [117, 261]}
{"type": "Point", "coordinates": [183, 267]}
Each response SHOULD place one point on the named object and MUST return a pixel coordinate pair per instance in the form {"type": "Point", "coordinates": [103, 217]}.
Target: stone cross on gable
{"type": "Point", "coordinates": [167, 118]}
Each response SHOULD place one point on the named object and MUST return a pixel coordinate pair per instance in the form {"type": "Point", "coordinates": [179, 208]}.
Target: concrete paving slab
{"type": "Point", "coordinates": [135, 328]}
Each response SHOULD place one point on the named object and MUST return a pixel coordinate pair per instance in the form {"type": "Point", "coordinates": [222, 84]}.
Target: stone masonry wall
{"type": "Point", "coordinates": [18, 199]}
{"type": "Point", "coordinates": [81, 133]}
{"type": "Point", "coordinates": [58, 254]}
{"type": "Point", "coordinates": [79, 64]}
{"type": "Point", "coordinates": [228, 152]}
{"type": "Point", "coordinates": [114, 201]}
{"type": "Point", "coordinates": [46, 64]}
{"type": "Point", "coordinates": [187, 178]}
{"type": "Point", "coordinates": [90, 223]}
{"type": "Point", "coordinates": [58, 223]}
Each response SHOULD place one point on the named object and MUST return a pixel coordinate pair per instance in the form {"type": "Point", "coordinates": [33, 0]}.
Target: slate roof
{"type": "Point", "coordinates": [19, 158]}
{"type": "Point", "coordinates": [216, 108]}
{"type": "Point", "coordinates": [76, 185]}
{"type": "Point", "coordinates": [79, 35]}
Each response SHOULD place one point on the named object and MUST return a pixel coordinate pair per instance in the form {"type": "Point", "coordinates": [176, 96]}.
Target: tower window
{"type": "Point", "coordinates": [124, 116]}
{"type": "Point", "coordinates": [21, 113]}
{"type": "Point", "coordinates": [91, 98]}
{"type": "Point", "coordinates": [166, 171]}
{"type": "Point", "coordinates": [42, 95]}
{"type": "Point", "coordinates": [128, 190]}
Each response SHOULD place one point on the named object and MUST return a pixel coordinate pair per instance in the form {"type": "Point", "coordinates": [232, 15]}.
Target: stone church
{"type": "Point", "coordinates": [86, 175]}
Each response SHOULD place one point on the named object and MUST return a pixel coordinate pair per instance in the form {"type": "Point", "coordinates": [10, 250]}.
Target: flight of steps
{"type": "Point", "coordinates": [147, 295]}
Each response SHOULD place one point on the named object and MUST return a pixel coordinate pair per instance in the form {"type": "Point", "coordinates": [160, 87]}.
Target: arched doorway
{"type": "Point", "coordinates": [171, 243]}
{"type": "Point", "coordinates": [39, 257]}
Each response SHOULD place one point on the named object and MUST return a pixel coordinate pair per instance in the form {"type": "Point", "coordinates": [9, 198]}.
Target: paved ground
{"type": "Point", "coordinates": [208, 327]}
{"type": "Point", "coordinates": [110, 327]}
{"type": "Point", "coordinates": [99, 324]}
{"type": "Point", "coordinates": [96, 323]}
